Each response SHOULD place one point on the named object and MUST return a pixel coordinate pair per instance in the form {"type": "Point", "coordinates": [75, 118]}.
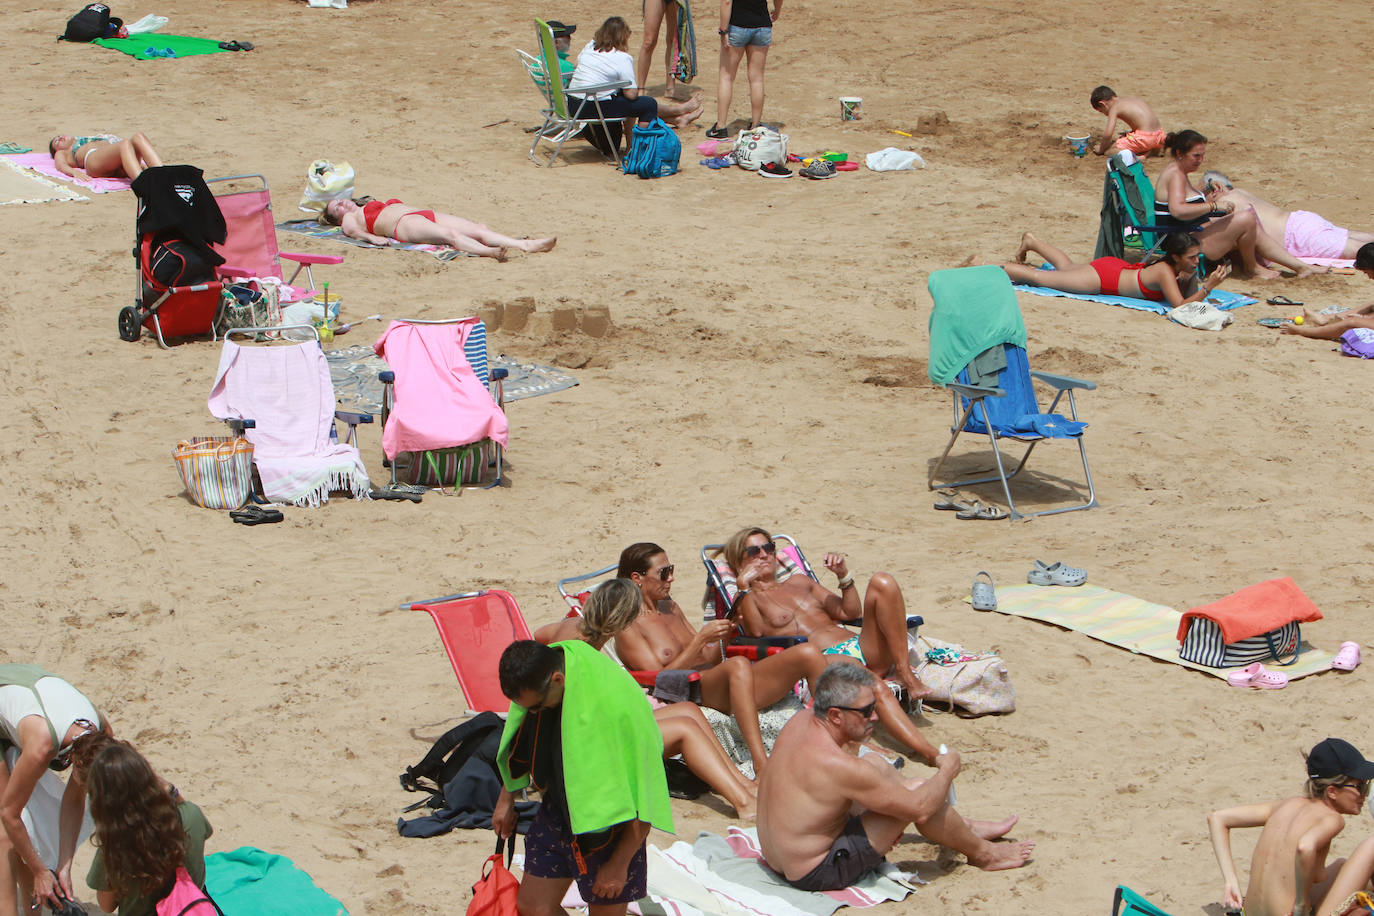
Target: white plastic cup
{"type": "Point", "coordinates": [849, 107]}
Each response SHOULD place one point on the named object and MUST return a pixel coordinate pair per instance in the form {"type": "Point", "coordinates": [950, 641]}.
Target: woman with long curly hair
{"type": "Point", "coordinates": [144, 831]}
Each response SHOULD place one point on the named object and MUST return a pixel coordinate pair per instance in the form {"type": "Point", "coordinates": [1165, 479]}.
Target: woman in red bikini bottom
{"type": "Point", "coordinates": [1170, 277]}
{"type": "Point", "coordinates": [381, 221]}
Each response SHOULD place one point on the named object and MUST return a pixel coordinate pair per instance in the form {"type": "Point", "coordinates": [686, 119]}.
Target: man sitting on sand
{"type": "Point", "coordinates": [800, 606]}
{"type": "Point", "coordinates": [1145, 135]}
{"type": "Point", "coordinates": [808, 826]}
{"type": "Point", "coordinates": [1288, 871]}
{"type": "Point", "coordinates": [1302, 233]}
{"type": "Point", "coordinates": [660, 639]}
{"type": "Point", "coordinates": [1331, 327]}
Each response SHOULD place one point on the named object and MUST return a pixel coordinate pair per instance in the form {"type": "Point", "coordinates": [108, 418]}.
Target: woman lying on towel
{"type": "Point", "coordinates": [613, 606]}
{"type": "Point", "coordinates": [1178, 203]}
{"type": "Point", "coordinates": [1171, 277]}
{"type": "Point", "coordinates": [381, 221]}
{"type": "Point", "coordinates": [103, 157]}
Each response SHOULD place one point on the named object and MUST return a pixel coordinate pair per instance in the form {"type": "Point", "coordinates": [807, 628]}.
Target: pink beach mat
{"type": "Point", "coordinates": [43, 164]}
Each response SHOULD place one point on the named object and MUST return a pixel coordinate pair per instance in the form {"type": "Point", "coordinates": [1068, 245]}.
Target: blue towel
{"type": "Point", "coordinates": [1218, 297]}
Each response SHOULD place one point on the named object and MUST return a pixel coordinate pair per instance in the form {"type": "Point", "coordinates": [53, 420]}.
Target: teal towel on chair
{"type": "Point", "coordinates": [250, 881]}
{"type": "Point", "coordinates": [975, 308]}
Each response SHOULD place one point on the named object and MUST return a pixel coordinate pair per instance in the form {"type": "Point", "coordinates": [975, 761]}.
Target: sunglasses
{"type": "Point", "coordinates": [864, 711]}
{"type": "Point", "coordinates": [666, 572]}
{"type": "Point", "coordinates": [754, 550]}
{"type": "Point", "coordinates": [1361, 786]}
{"type": "Point", "coordinates": [63, 758]}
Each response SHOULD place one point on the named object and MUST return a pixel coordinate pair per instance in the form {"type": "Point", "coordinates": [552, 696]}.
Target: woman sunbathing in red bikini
{"type": "Point", "coordinates": [1171, 278]}
{"type": "Point", "coordinates": [380, 221]}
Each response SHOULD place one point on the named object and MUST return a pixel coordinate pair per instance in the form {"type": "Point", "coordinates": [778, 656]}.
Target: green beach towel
{"type": "Point", "coordinates": [249, 880]}
{"type": "Point", "coordinates": [612, 748]}
{"type": "Point", "coordinates": [975, 308]}
{"type": "Point", "coordinates": [181, 45]}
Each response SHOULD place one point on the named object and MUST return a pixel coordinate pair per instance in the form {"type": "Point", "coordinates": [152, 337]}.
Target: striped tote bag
{"type": "Point", "coordinates": [217, 470]}
{"type": "Point", "coordinates": [1204, 645]}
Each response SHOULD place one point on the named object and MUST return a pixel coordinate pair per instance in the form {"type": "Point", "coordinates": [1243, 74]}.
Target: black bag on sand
{"type": "Point", "coordinates": [91, 23]}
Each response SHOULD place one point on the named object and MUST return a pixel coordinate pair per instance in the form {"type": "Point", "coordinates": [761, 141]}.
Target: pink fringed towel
{"type": "Point", "coordinates": [286, 391]}
{"type": "Point", "coordinates": [1255, 610]}
{"type": "Point", "coordinates": [440, 401]}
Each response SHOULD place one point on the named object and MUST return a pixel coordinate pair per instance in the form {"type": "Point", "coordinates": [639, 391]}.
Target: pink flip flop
{"type": "Point", "coordinates": [1348, 659]}
{"type": "Point", "coordinates": [1258, 676]}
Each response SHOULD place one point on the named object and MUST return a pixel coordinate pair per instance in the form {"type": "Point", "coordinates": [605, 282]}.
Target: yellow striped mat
{"type": "Point", "coordinates": [1131, 623]}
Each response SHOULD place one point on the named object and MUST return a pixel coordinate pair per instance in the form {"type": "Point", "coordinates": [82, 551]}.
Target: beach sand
{"type": "Point", "coordinates": [767, 365]}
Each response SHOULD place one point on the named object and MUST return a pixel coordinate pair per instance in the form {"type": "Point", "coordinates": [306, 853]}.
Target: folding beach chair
{"type": "Point", "coordinates": [977, 351]}
{"type": "Point", "coordinates": [1127, 229]}
{"type": "Point", "coordinates": [559, 125]}
{"type": "Point", "coordinates": [443, 417]}
{"type": "Point", "coordinates": [279, 396]}
{"type": "Point", "coordinates": [1127, 902]}
{"type": "Point", "coordinates": [475, 628]}
{"type": "Point", "coordinates": [250, 251]}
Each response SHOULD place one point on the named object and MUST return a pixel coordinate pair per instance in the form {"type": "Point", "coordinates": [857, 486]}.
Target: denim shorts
{"type": "Point", "coordinates": [740, 38]}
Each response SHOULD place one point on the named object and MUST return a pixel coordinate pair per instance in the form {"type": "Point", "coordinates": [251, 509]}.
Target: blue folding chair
{"type": "Point", "coordinates": [977, 351]}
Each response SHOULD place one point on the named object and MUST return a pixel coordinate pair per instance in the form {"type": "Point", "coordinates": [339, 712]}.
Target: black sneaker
{"type": "Point", "coordinates": [716, 132]}
{"type": "Point", "coordinates": [774, 170]}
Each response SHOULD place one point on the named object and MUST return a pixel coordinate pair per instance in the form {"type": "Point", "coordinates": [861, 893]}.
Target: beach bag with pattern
{"type": "Point", "coordinates": [186, 899]}
{"type": "Point", "coordinates": [1205, 645]}
{"type": "Point", "coordinates": [762, 144]}
{"type": "Point", "coordinates": [977, 686]}
{"type": "Point", "coordinates": [654, 152]}
{"type": "Point", "coordinates": [448, 467]}
{"type": "Point", "coordinates": [217, 470]}
{"type": "Point", "coordinates": [245, 307]}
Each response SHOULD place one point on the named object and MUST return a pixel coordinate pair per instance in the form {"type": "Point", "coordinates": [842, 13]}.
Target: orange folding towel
{"type": "Point", "coordinates": [1255, 610]}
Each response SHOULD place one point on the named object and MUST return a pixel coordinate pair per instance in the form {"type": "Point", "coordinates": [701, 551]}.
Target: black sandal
{"type": "Point", "coordinates": [256, 515]}
{"type": "Point", "coordinates": [1281, 300]}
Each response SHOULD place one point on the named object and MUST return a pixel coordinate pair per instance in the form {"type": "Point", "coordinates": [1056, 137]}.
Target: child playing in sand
{"type": "Point", "coordinates": [1289, 871]}
{"type": "Point", "coordinates": [1145, 135]}
{"type": "Point", "coordinates": [1331, 327]}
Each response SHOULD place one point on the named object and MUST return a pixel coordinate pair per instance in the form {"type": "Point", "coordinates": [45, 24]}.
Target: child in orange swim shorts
{"type": "Point", "coordinates": [1145, 135]}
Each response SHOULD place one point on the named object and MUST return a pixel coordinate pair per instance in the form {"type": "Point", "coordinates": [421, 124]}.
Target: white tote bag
{"type": "Point", "coordinates": [326, 181]}
{"type": "Point", "coordinates": [755, 147]}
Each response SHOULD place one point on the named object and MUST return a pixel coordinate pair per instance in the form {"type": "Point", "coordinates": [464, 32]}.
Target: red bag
{"type": "Point", "coordinates": [494, 894]}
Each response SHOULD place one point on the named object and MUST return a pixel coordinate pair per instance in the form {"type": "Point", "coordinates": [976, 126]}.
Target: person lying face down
{"type": "Point", "coordinates": [1171, 277]}
{"type": "Point", "coordinates": [102, 157]}
{"type": "Point", "coordinates": [827, 816]}
{"type": "Point", "coordinates": [1302, 233]}
{"type": "Point", "coordinates": [1288, 872]}
{"type": "Point", "coordinates": [379, 222]}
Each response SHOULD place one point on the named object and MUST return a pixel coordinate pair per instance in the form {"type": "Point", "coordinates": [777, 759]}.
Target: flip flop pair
{"type": "Point", "coordinates": [1282, 300]}
{"type": "Point", "coordinates": [1258, 677]}
{"type": "Point", "coordinates": [977, 511]}
{"type": "Point", "coordinates": [236, 45]}
{"type": "Point", "coordinates": [1056, 574]}
{"type": "Point", "coordinates": [256, 515]}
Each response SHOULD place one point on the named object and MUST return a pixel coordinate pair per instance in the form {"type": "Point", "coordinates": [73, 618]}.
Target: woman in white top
{"type": "Point", "coordinates": [606, 59]}
{"type": "Point", "coordinates": [42, 718]}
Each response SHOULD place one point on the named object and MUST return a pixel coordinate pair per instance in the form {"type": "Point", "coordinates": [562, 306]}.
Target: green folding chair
{"type": "Point", "coordinates": [559, 124]}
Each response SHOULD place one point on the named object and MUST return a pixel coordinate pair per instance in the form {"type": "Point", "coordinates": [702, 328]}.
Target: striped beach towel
{"type": "Point", "coordinates": [1122, 620]}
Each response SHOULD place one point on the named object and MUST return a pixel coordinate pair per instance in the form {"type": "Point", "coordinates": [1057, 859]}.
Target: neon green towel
{"type": "Point", "coordinates": [181, 45]}
{"type": "Point", "coordinates": [975, 308]}
{"type": "Point", "coordinates": [249, 880]}
{"type": "Point", "coordinates": [612, 748]}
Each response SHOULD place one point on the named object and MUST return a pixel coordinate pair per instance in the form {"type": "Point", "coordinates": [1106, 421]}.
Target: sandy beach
{"type": "Point", "coordinates": [767, 364]}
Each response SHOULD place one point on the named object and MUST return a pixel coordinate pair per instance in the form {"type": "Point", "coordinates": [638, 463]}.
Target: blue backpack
{"type": "Point", "coordinates": [654, 152]}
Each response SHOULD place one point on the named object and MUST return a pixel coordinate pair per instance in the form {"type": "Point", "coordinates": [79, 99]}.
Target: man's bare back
{"type": "Point", "coordinates": [1273, 220]}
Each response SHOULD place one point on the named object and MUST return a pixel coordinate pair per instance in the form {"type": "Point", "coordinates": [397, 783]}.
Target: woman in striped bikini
{"type": "Point", "coordinates": [103, 157]}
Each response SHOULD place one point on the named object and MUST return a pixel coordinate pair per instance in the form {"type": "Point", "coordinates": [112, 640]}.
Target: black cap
{"type": "Point", "coordinates": [560, 30]}
{"type": "Point", "coordinates": [1334, 757]}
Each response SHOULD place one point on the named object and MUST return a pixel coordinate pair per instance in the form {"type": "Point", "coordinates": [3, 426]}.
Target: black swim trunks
{"type": "Point", "coordinates": [550, 853]}
{"type": "Point", "coordinates": [675, 685]}
{"type": "Point", "coordinates": [849, 857]}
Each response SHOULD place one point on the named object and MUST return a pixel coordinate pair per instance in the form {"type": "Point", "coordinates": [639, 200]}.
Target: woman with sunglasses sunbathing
{"type": "Point", "coordinates": [661, 639]}
{"type": "Point", "coordinates": [43, 720]}
{"type": "Point", "coordinates": [1170, 277]}
{"type": "Point", "coordinates": [103, 157]}
{"type": "Point", "coordinates": [800, 606]}
{"type": "Point", "coordinates": [1288, 871]}
{"type": "Point", "coordinates": [381, 221]}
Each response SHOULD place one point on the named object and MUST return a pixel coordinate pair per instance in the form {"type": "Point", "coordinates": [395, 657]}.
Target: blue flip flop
{"type": "Point", "coordinates": [718, 162]}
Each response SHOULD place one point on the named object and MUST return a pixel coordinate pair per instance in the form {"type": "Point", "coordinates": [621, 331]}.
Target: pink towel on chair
{"type": "Point", "coordinates": [286, 391]}
{"type": "Point", "coordinates": [43, 164]}
{"type": "Point", "coordinates": [440, 402]}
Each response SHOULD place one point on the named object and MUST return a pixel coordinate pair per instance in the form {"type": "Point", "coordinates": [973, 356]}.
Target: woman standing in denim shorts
{"type": "Point", "coordinates": [746, 30]}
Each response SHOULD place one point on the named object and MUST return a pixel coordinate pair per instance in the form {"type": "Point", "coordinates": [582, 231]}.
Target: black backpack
{"type": "Point", "coordinates": [91, 23]}
{"type": "Point", "coordinates": [174, 261]}
{"type": "Point", "coordinates": [480, 736]}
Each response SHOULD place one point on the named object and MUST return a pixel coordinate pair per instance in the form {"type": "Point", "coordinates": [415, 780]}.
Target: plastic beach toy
{"type": "Point", "coordinates": [1077, 145]}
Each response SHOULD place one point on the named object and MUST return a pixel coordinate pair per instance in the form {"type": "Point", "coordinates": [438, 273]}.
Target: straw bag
{"type": "Point", "coordinates": [217, 470]}
{"type": "Point", "coordinates": [969, 686]}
